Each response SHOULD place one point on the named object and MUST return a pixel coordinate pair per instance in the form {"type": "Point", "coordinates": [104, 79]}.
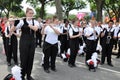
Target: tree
{"type": "Point", "coordinates": [99, 6]}
{"type": "Point", "coordinates": [19, 14]}
{"type": "Point", "coordinates": [1, 10]}
{"type": "Point", "coordinates": [69, 5]}
{"type": "Point", "coordinates": [38, 2]}
{"type": "Point", "coordinates": [113, 6]}
{"type": "Point", "coordinates": [10, 5]}
{"type": "Point", "coordinates": [58, 9]}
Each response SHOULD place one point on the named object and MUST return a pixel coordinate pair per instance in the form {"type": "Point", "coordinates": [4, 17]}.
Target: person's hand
{"type": "Point", "coordinates": [44, 25]}
{"type": "Point", "coordinates": [102, 34]}
{"type": "Point", "coordinates": [30, 26]}
{"type": "Point", "coordinates": [79, 34]}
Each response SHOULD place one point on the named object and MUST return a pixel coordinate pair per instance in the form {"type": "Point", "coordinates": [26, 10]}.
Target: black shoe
{"type": "Point", "coordinates": [111, 65]}
{"type": "Point", "coordinates": [118, 57]}
{"type": "Point", "coordinates": [30, 78]}
{"type": "Point", "coordinates": [65, 60]}
{"type": "Point", "coordinates": [70, 65]}
{"type": "Point", "coordinates": [47, 70]}
{"type": "Point", "coordinates": [16, 63]}
{"type": "Point", "coordinates": [74, 65]}
{"type": "Point", "coordinates": [53, 69]}
{"type": "Point", "coordinates": [101, 63]}
{"type": "Point", "coordinates": [9, 64]}
{"type": "Point", "coordinates": [40, 46]}
{"type": "Point", "coordinates": [23, 78]}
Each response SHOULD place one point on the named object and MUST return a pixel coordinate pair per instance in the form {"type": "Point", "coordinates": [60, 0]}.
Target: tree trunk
{"type": "Point", "coordinates": [99, 4]}
{"type": "Point", "coordinates": [99, 13]}
{"type": "Point", "coordinates": [7, 13]}
{"type": "Point", "coordinates": [42, 11]}
{"type": "Point", "coordinates": [58, 9]}
{"type": "Point", "coordinates": [67, 14]}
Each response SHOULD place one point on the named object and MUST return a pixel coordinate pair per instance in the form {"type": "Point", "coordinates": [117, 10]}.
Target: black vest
{"type": "Point", "coordinates": [108, 37]}
{"type": "Point", "coordinates": [26, 31]}
{"type": "Point", "coordinates": [75, 33]}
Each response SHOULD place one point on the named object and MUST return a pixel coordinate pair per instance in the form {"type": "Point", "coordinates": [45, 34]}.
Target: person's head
{"type": "Point", "coordinates": [93, 23]}
{"type": "Point", "coordinates": [11, 20]}
{"type": "Point", "coordinates": [39, 19]}
{"type": "Point", "coordinates": [110, 23]}
{"type": "Point", "coordinates": [4, 19]}
{"type": "Point", "coordinates": [55, 20]}
{"type": "Point", "coordinates": [117, 24]}
{"type": "Point", "coordinates": [99, 23]}
{"type": "Point", "coordinates": [75, 22]}
{"type": "Point", "coordinates": [84, 24]}
{"type": "Point", "coordinates": [48, 20]}
{"type": "Point", "coordinates": [66, 21]}
{"type": "Point", "coordinates": [29, 13]}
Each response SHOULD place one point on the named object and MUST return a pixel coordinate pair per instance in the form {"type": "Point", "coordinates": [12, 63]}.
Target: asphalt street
{"type": "Point", "coordinates": [81, 72]}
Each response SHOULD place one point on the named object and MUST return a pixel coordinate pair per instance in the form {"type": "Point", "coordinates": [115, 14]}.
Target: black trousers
{"type": "Point", "coordinates": [27, 51]}
{"type": "Point", "coordinates": [118, 49]}
{"type": "Point", "coordinates": [4, 42]}
{"type": "Point", "coordinates": [64, 44]}
{"type": "Point", "coordinates": [11, 49]}
{"type": "Point", "coordinates": [80, 41]}
{"type": "Point", "coordinates": [50, 53]}
{"type": "Point", "coordinates": [74, 46]}
{"type": "Point", "coordinates": [38, 38]}
{"type": "Point", "coordinates": [106, 52]}
{"type": "Point", "coordinates": [90, 48]}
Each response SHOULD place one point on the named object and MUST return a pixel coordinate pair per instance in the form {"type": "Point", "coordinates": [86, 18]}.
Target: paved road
{"type": "Point", "coordinates": [64, 72]}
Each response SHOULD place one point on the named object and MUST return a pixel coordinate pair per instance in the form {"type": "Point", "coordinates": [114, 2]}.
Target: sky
{"type": "Point", "coordinates": [52, 10]}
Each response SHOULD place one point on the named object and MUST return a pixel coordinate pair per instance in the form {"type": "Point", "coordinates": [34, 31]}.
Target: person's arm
{"type": "Point", "coordinates": [115, 33]}
{"type": "Point", "coordinates": [102, 34]}
{"type": "Point", "coordinates": [35, 27]}
{"type": "Point", "coordinates": [18, 24]}
{"type": "Point", "coordinates": [6, 34]}
{"type": "Point", "coordinates": [56, 31]}
{"type": "Point", "coordinates": [73, 36]}
{"type": "Point", "coordinates": [87, 32]}
{"type": "Point", "coordinates": [17, 33]}
{"type": "Point", "coordinates": [63, 33]}
{"type": "Point", "coordinates": [43, 30]}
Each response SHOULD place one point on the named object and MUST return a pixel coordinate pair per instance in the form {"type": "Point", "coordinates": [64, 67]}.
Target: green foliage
{"type": "Point", "coordinates": [69, 5]}
{"type": "Point", "coordinates": [49, 16]}
{"type": "Point", "coordinates": [34, 3]}
{"type": "Point", "coordinates": [37, 9]}
{"type": "Point", "coordinates": [19, 14]}
{"type": "Point", "coordinates": [71, 17]}
{"type": "Point", "coordinates": [113, 8]}
{"type": "Point", "coordinates": [93, 6]}
{"type": "Point", "coordinates": [10, 5]}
